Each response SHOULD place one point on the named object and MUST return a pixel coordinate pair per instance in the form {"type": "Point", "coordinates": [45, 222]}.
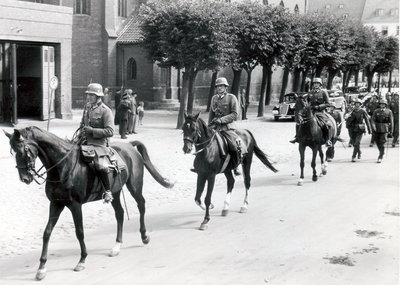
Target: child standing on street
{"type": "Point", "coordinates": [140, 111]}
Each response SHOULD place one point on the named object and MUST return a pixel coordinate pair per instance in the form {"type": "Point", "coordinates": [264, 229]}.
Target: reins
{"type": "Point", "coordinates": [208, 143]}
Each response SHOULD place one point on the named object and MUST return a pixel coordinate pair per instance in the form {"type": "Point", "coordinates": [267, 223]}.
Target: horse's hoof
{"type": "Point", "coordinates": [146, 240]}
{"type": "Point", "coordinates": [203, 227]}
{"type": "Point", "coordinates": [79, 267]}
{"type": "Point", "coordinates": [41, 274]}
{"type": "Point", "coordinates": [315, 178]}
{"type": "Point", "coordinates": [211, 206]}
{"type": "Point", "coordinates": [329, 160]}
{"type": "Point", "coordinates": [113, 253]}
{"type": "Point", "coordinates": [324, 172]}
{"type": "Point", "coordinates": [243, 210]}
{"type": "Point", "coordinates": [300, 183]}
{"type": "Point", "coordinates": [224, 212]}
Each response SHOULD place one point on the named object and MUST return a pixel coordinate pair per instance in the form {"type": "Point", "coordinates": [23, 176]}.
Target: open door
{"type": "Point", "coordinates": [48, 71]}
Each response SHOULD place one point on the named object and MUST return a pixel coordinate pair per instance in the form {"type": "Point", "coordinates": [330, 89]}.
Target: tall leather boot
{"type": "Point", "coordinates": [107, 195]}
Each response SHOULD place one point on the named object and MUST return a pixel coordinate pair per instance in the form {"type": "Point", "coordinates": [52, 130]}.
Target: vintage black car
{"type": "Point", "coordinates": [337, 99]}
{"type": "Point", "coordinates": [285, 110]}
{"type": "Point", "coordinates": [355, 92]}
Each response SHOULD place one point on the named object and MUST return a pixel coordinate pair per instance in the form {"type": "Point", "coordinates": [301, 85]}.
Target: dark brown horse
{"type": "Point", "coordinates": [70, 182]}
{"type": "Point", "coordinates": [208, 162]}
{"type": "Point", "coordinates": [310, 135]}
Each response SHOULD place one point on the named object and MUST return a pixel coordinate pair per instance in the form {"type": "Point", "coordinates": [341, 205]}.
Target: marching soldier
{"type": "Point", "coordinates": [357, 127]}
{"type": "Point", "coordinates": [97, 124]}
{"type": "Point", "coordinates": [382, 124]}
{"type": "Point", "coordinates": [372, 105]}
{"type": "Point", "coordinates": [394, 107]}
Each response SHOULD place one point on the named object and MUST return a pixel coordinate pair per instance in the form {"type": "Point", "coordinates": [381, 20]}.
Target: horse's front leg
{"type": "Point", "coordinates": [230, 181]}
{"type": "Point", "coordinates": [201, 182]}
{"type": "Point", "coordinates": [324, 164]}
{"type": "Point", "coordinates": [207, 201]}
{"type": "Point", "coordinates": [302, 149]}
{"type": "Point", "coordinates": [54, 214]}
{"type": "Point", "coordinates": [313, 164]}
{"type": "Point", "coordinates": [76, 210]}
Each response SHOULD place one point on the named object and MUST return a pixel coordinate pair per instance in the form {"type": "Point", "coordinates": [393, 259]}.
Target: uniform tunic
{"type": "Point", "coordinates": [356, 126]}
{"type": "Point", "coordinates": [226, 108]}
{"type": "Point", "coordinates": [382, 122]}
{"type": "Point", "coordinates": [394, 107]}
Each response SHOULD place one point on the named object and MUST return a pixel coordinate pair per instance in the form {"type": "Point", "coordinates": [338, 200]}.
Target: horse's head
{"type": "Point", "coordinates": [26, 153]}
{"type": "Point", "coordinates": [191, 132]}
{"type": "Point", "coordinates": [304, 110]}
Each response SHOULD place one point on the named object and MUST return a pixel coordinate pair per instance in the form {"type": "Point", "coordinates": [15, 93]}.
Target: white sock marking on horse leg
{"type": "Point", "coordinates": [116, 249]}
{"type": "Point", "coordinates": [227, 201]}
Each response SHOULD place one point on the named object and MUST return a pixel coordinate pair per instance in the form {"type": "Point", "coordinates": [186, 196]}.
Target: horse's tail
{"type": "Point", "coordinates": [149, 165]}
{"type": "Point", "coordinates": [261, 155]}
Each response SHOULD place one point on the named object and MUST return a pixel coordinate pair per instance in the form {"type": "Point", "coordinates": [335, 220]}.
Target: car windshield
{"type": "Point", "coordinates": [354, 89]}
{"type": "Point", "coordinates": [290, 98]}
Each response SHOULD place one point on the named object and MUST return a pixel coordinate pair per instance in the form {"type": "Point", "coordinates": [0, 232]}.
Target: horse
{"type": "Point", "coordinates": [71, 182]}
{"type": "Point", "coordinates": [310, 135]}
{"type": "Point", "coordinates": [208, 162]}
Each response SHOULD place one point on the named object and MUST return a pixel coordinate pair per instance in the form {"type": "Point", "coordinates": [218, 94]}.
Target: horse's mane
{"type": "Point", "coordinates": [204, 128]}
{"type": "Point", "coordinates": [38, 134]}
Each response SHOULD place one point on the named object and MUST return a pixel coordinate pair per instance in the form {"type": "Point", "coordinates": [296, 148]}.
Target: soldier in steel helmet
{"type": "Point", "coordinates": [98, 126]}
{"type": "Point", "coordinates": [372, 105]}
{"type": "Point", "coordinates": [357, 127]}
{"type": "Point", "coordinates": [382, 124]}
{"type": "Point", "coordinates": [223, 112]}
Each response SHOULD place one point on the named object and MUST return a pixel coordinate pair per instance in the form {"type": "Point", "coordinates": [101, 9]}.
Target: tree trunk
{"type": "Point", "coordinates": [236, 81]}
{"type": "Point", "coordinates": [370, 77]}
{"type": "Point", "coordinates": [379, 83]}
{"type": "Point", "coordinates": [262, 92]}
{"type": "Point", "coordinates": [390, 81]}
{"type": "Point", "coordinates": [303, 81]}
{"type": "Point", "coordinates": [212, 89]}
{"type": "Point", "coordinates": [318, 70]}
{"type": "Point", "coordinates": [296, 80]}
{"type": "Point", "coordinates": [331, 75]}
{"type": "Point", "coordinates": [192, 78]}
{"type": "Point", "coordinates": [348, 78]}
{"type": "Point", "coordinates": [284, 83]}
{"type": "Point", "coordinates": [269, 85]}
{"type": "Point", "coordinates": [356, 73]}
{"type": "Point", "coordinates": [184, 99]}
{"type": "Point", "coordinates": [344, 78]}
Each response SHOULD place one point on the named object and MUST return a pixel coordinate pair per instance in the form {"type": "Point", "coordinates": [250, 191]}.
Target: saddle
{"type": "Point", "coordinates": [231, 148]}
{"type": "Point", "coordinates": [327, 124]}
{"type": "Point", "coordinates": [109, 159]}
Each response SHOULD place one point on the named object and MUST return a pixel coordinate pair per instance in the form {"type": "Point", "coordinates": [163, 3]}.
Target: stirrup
{"type": "Point", "coordinates": [107, 196]}
{"type": "Point", "coordinates": [236, 171]}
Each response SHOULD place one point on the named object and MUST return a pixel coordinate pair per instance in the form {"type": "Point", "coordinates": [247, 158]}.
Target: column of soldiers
{"type": "Point", "coordinates": [379, 118]}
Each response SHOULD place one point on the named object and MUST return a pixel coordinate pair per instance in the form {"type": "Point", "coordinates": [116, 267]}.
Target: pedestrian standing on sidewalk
{"type": "Point", "coordinates": [124, 108]}
{"type": "Point", "coordinates": [132, 115]}
{"type": "Point", "coordinates": [140, 111]}
{"type": "Point", "coordinates": [394, 107]}
{"type": "Point", "coordinates": [357, 127]}
{"type": "Point", "coordinates": [243, 103]}
{"type": "Point", "coordinates": [372, 105]}
{"type": "Point", "coordinates": [382, 124]}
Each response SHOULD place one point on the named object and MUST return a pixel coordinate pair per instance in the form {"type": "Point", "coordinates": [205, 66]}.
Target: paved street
{"type": "Point", "coordinates": [343, 229]}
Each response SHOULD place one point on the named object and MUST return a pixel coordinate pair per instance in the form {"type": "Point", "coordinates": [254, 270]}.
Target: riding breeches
{"type": "Point", "coordinates": [356, 140]}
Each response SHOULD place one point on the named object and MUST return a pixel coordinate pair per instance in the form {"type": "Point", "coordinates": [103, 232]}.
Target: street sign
{"type": "Point", "coordinates": [53, 83]}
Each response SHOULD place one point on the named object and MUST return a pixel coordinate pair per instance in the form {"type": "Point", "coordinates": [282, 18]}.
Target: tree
{"type": "Point", "coordinates": [188, 34]}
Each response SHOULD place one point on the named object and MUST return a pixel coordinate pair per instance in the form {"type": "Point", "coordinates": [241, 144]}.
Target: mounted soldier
{"type": "Point", "coordinates": [223, 112]}
{"type": "Point", "coordinates": [357, 128]}
{"type": "Point", "coordinates": [382, 124]}
{"type": "Point", "coordinates": [97, 126]}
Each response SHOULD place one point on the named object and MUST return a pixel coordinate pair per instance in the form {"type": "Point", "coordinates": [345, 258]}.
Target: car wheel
{"type": "Point", "coordinates": [276, 118]}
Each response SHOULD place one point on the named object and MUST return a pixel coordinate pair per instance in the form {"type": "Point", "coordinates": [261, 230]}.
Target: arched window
{"type": "Point", "coordinates": [265, 2]}
{"type": "Point", "coordinates": [131, 71]}
{"type": "Point", "coordinates": [296, 9]}
{"type": "Point", "coordinates": [282, 4]}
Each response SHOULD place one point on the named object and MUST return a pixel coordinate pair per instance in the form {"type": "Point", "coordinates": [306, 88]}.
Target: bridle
{"type": "Point", "coordinates": [30, 165]}
{"type": "Point", "coordinates": [193, 140]}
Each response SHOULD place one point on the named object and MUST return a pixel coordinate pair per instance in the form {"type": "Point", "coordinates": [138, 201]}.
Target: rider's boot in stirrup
{"type": "Point", "coordinates": [107, 195]}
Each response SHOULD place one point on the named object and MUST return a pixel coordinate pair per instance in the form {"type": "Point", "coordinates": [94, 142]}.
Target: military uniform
{"type": "Point", "coordinates": [357, 128]}
{"type": "Point", "coordinates": [319, 100]}
{"type": "Point", "coordinates": [372, 105]}
{"type": "Point", "coordinates": [382, 123]}
{"type": "Point", "coordinates": [394, 107]}
{"type": "Point", "coordinates": [124, 108]}
{"type": "Point", "coordinates": [225, 108]}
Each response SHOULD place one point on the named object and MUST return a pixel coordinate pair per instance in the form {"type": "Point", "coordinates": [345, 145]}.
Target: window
{"type": "Point", "coordinates": [379, 12]}
{"type": "Point", "coordinates": [82, 7]}
{"type": "Point", "coordinates": [385, 30]}
{"type": "Point", "coordinates": [345, 16]}
{"type": "Point", "coordinates": [265, 2]}
{"type": "Point", "coordinates": [131, 69]}
{"type": "Point", "coordinates": [228, 1]}
{"type": "Point", "coordinates": [398, 30]}
{"type": "Point", "coordinates": [122, 8]}
{"type": "Point", "coordinates": [282, 4]}
{"type": "Point", "coordinates": [394, 12]}
{"type": "Point", "coordinates": [341, 6]}
{"type": "Point", "coordinates": [296, 9]}
{"type": "Point", "coordinates": [327, 6]}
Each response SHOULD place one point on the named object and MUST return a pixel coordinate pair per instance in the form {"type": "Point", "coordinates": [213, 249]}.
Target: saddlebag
{"type": "Point", "coordinates": [88, 153]}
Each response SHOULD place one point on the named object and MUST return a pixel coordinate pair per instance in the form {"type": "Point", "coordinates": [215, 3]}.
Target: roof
{"type": "Point", "coordinates": [132, 32]}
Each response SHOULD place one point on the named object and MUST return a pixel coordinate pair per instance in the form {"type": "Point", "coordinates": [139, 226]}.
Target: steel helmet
{"type": "Point", "coordinates": [357, 100]}
{"type": "Point", "coordinates": [317, 80]}
{"type": "Point", "coordinates": [383, 101]}
{"type": "Point", "coordinates": [221, 81]}
{"type": "Point", "coordinates": [95, 88]}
